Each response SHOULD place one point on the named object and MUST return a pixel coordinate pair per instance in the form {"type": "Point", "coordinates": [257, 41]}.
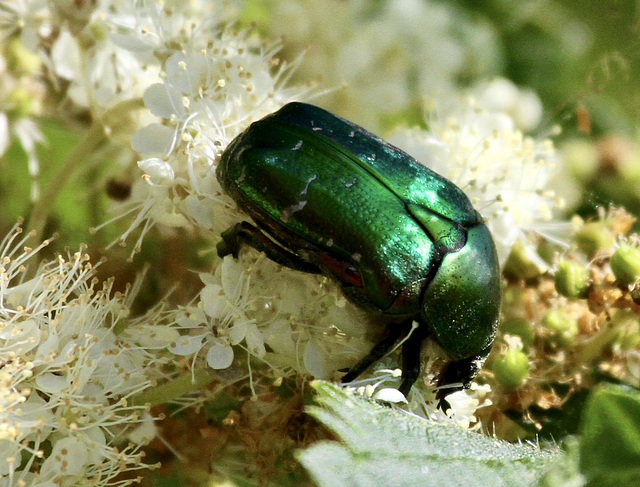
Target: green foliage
{"type": "Point", "coordinates": [610, 446]}
{"type": "Point", "coordinates": [79, 202]}
{"type": "Point", "coordinates": [386, 447]}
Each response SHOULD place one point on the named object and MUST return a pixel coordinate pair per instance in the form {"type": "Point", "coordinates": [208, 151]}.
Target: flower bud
{"type": "Point", "coordinates": [594, 237]}
{"type": "Point", "coordinates": [521, 263]}
{"type": "Point", "coordinates": [626, 331]}
{"type": "Point", "coordinates": [520, 327]}
{"type": "Point", "coordinates": [571, 279]}
{"type": "Point", "coordinates": [562, 325]}
{"type": "Point", "coordinates": [625, 264]}
{"type": "Point", "coordinates": [511, 368]}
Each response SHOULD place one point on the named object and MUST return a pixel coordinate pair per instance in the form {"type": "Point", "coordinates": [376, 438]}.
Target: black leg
{"type": "Point", "coordinates": [246, 233]}
{"type": "Point", "coordinates": [411, 359]}
{"type": "Point", "coordinates": [380, 350]}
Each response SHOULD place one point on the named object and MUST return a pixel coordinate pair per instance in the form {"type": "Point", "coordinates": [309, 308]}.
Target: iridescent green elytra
{"type": "Point", "coordinates": [335, 199]}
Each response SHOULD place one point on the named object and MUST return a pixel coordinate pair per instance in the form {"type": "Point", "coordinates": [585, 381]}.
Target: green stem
{"type": "Point", "coordinates": [72, 164]}
{"type": "Point", "coordinates": [174, 389]}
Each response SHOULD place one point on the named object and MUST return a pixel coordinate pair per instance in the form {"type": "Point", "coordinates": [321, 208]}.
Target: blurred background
{"type": "Point", "coordinates": [567, 71]}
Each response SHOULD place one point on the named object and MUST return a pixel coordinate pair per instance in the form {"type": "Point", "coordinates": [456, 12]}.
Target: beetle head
{"type": "Point", "coordinates": [457, 376]}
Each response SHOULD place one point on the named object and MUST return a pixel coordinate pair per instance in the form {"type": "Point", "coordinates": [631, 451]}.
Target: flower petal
{"type": "Point", "coordinates": [220, 356]}
{"type": "Point", "coordinates": [187, 345]}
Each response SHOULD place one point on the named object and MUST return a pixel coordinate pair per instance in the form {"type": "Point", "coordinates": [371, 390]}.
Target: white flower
{"type": "Point", "coordinates": [28, 18]}
{"type": "Point", "coordinates": [65, 378]}
{"type": "Point", "coordinates": [253, 303]}
{"type": "Point", "coordinates": [220, 321]}
{"type": "Point", "coordinates": [119, 64]}
{"type": "Point", "coordinates": [461, 409]}
{"type": "Point", "coordinates": [388, 55]}
{"type": "Point", "coordinates": [212, 84]}
{"type": "Point", "coordinates": [500, 95]}
{"type": "Point", "coordinates": [464, 405]}
{"type": "Point", "coordinates": [505, 174]}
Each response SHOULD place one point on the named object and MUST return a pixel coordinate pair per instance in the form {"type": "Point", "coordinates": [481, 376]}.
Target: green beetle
{"type": "Point", "coordinates": [329, 197]}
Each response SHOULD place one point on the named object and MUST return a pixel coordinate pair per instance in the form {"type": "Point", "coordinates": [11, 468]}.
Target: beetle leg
{"type": "Point", "coordinates": [411, 359]}
{"type": "Point", "coordinates": [376, 353]}
{"type": "Point", "coordinates": [246, 233]}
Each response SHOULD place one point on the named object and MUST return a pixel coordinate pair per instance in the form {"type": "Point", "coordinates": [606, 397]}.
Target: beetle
{"type": "Point", "coordinates": [329, 197]}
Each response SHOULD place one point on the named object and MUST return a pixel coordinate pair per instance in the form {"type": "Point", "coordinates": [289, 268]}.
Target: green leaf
{"type": "Point", "coordinates": [388, 447]}
{"type": "Point", "coordinates": [565, 470]}
{"type": "Point", "coordinates": [610, 446]}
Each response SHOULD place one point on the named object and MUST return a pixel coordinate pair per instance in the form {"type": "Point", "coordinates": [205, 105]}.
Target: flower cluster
{"type": "Point", "coordinates": [505, 173]}
{"type": "Point", "coordinates": [568, 328]}
{"type": "Point", "coordinates": [253, 303]}
{"type": "Point", "coordinates": [77, 62]}
{"type": "Point", "coordinates": [212, 85]}
{"type": "Point", "coordinates": [65, 377]}
{"type": "Point", "coordinates": [162, 88]}
{"type": "Point", "coordinates": [204, 103]}
{"type": "Point", "coordinates": [372, 49]}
